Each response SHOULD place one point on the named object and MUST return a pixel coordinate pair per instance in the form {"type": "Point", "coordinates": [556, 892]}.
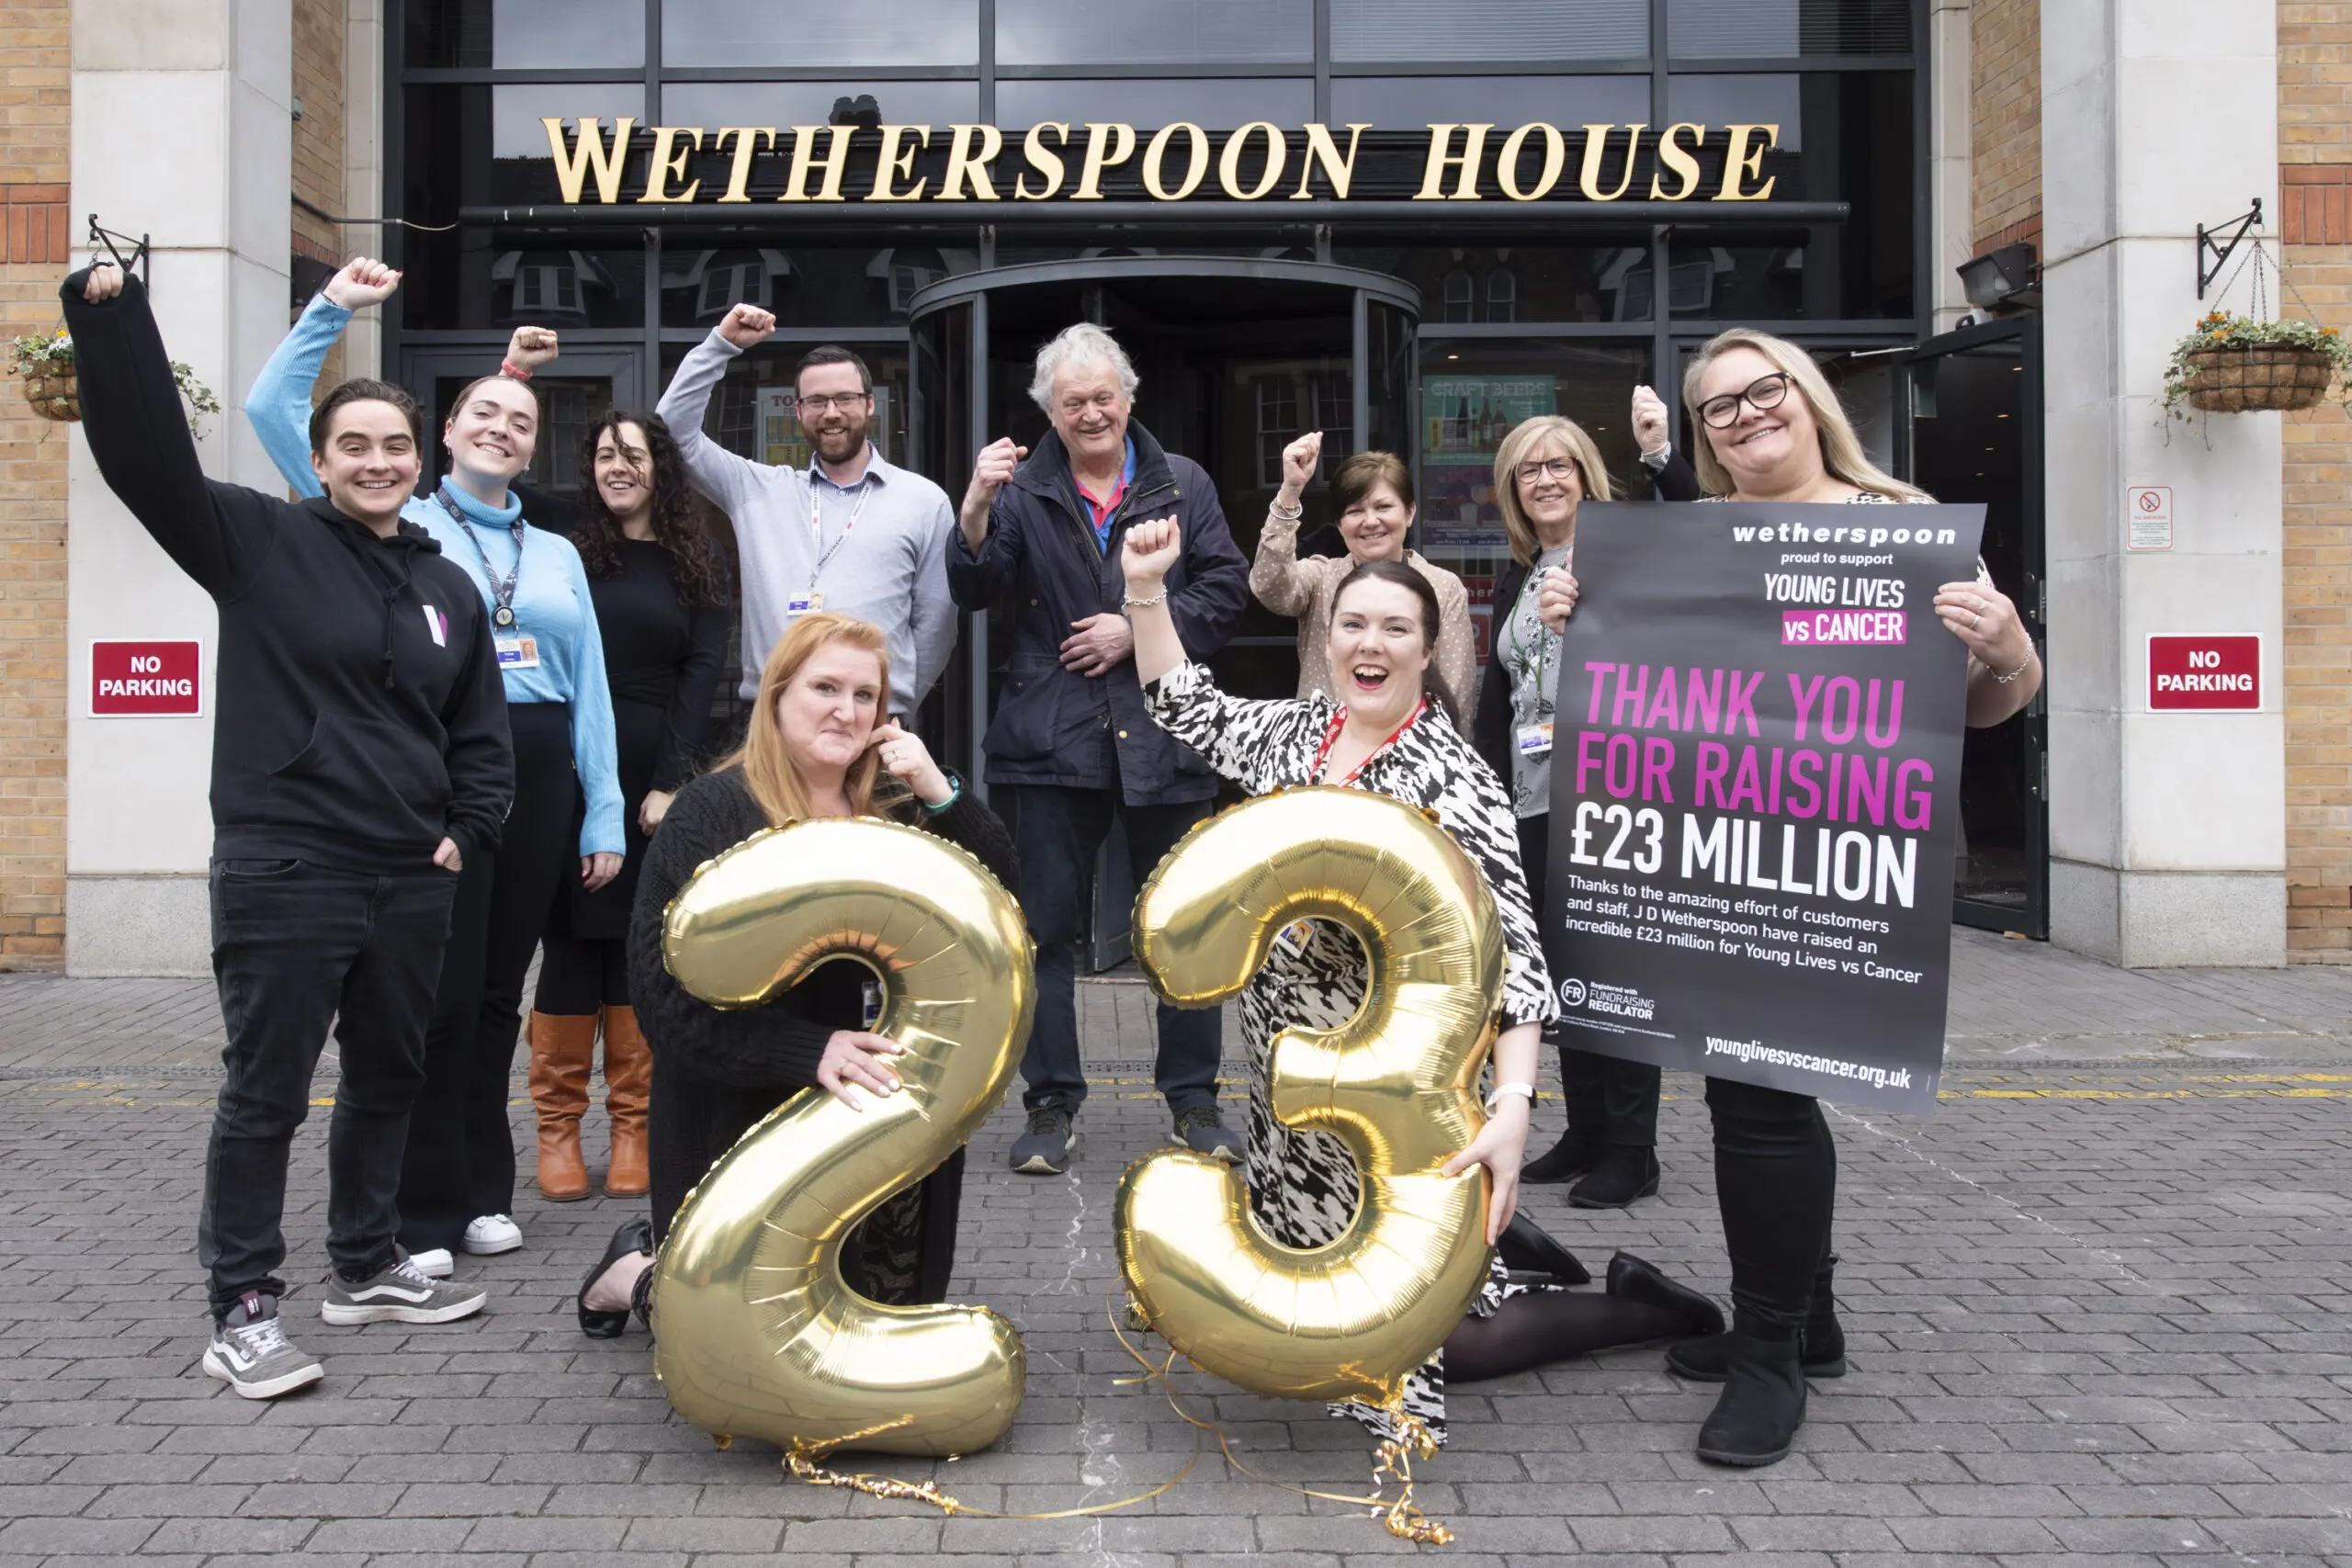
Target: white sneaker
{"type": "Point", "coordinates": [435, 1262]}
{"type": "Point", "coordinates": [492, 1233]}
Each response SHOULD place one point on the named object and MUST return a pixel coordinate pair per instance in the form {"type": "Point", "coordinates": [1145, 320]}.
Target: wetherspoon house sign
{"type": "Point", "coordinates": [608, 163]}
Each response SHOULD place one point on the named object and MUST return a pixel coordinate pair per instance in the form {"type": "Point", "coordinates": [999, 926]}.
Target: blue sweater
{"type": "Point", "coordinates": [551, 600]}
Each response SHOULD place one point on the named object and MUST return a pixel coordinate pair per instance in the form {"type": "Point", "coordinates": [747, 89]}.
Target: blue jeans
{"type": "Point", "coordinates": [1059, 834]}
{"type": "Point", "coordinates": [296, 948]}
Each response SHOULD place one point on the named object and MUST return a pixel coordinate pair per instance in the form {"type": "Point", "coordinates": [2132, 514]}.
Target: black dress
{"type": "Point", "coordinates": [717, 1073]}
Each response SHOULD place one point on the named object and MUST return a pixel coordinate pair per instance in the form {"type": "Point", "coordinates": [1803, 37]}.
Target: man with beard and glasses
{"type": "Point", "coordinates": [853, 534]}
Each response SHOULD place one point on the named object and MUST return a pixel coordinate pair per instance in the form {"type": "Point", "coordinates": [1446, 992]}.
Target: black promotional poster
{"type": "Point", "coordinates": [1755, 788]}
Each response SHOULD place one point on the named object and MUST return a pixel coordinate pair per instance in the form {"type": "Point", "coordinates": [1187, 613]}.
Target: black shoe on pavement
{"type": "Point", "coordinates": [1204, 1131]}
{"type": "Point", "coordinates": [1623, 1173]}
{"type": "Point", "coordinates": [1526, 1248]}
{"type": "Point", "coordinates": [1821, 1343]}
{"type": "Point", "coordinates": [1633, 1279]}
{"type": "Point", "coordinates": [1762, 1405]}
{"type": "Point", "coordinates": [1564, 1161]}
{"type": "Point", "coordinates": [1043, 1149]}
{"type": "Point", "coordinates": [632, 1238]}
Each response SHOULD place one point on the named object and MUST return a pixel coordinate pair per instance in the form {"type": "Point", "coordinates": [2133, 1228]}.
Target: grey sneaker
{"type": "Point", "coordinates": [251, 1353]}
{"type": "Point", "coordinates": [402, 1294]}
{"type": "Point", "coordinates": [1204, 1131]}
{"type": "Point", "coordinates": [1043, 1149]}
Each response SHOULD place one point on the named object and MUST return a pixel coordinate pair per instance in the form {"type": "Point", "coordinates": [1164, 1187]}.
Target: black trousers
{"type": "Point", "coordinates": [1614, 1100]}
{"type": "Point", "coordinates": [297, 947]}
{"type": "Point", "coordinates": [581, 976]}
{"type": "Point", "coordinates": [1059, 834]}
{"type": "Point", "coordinates": [1776, 1184]}
{"type": "Point", "coordinates": [460, 1157]}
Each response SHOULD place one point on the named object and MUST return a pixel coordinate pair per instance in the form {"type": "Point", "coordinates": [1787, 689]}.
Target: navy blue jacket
{"type": "Point", "coordinates": [1053, 726]}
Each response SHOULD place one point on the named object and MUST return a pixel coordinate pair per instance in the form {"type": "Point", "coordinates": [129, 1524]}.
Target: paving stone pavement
{"type": "Point", "coordinates": [2098, 1309]}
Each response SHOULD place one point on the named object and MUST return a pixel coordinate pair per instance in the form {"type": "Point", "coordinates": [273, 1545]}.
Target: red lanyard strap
{"type": "Point", "coordinates": [1332, 736]}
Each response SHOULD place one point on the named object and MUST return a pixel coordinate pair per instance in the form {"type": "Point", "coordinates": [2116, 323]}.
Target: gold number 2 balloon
{"type": "Point", "coordinates": [755, 1333]}
{"type": "Point", "coordinates": [1395, 1083]}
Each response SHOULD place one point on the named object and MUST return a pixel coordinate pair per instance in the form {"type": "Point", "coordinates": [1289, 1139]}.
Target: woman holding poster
{"type": "Point", "coordinates": [1773, 431]}
{"type": "Point", "coordinates": [1544, 468]}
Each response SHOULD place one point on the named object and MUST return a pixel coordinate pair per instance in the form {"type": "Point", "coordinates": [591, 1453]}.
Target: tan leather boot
{"type": "Point", "coordinates": [563, 1048]}
{"type": "Point", "coordinates": [628, 1083]}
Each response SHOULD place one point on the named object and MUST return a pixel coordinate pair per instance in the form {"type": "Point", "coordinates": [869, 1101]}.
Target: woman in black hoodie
{"type": "Point", "coordinates": [359, 755]}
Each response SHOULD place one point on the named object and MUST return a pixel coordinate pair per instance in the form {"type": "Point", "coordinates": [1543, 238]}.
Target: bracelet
{"type": "Point", "coordinates": [1504, 1090]}
{"type": "Point", "coordinates": [508, 368]}
{"type": "Point", "coordinates": [954, 794]}
{"type": "Point", "coordinates": [1132, 603]}
{"type": "Point", "coordinates": [2001, 680]}
{"type": "Point", "coordinates": [1287, 514]}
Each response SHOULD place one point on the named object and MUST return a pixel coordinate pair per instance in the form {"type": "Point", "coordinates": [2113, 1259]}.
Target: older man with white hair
{"type": "Point", "coordinates": [1071, 741]}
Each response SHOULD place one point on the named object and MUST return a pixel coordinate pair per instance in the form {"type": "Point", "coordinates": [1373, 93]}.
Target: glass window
{"type": "Point", "coordinates": [538, 279]}
{"type": "Point", "coordinates": [819, 32]}
{"type": "Point", "coordinates": [516, 110]}
{"type": "Point", "coordinates": [1217, 104]}
{"type": "Point", "coordinates": [1170, 32]}
{"type": "Point", "coordinates": [1519, 283]}
{"type": "Point", "coordinates": [1743, 29]}
{"type": "Point", "coordinates": [703, 274]}
{"type": "Point", "coordinates": [1405, 30]}
{"type": "Point", "coordinates": [1474, 391]}
{"type": "Point", "coordinates": [1741, 100]}
{"type": "Point", "coordinates": [1411, 102]}
{"type": "Point", "coordinates": [714, 104]}
{"type": "Point", "coordinates": [526, 34]}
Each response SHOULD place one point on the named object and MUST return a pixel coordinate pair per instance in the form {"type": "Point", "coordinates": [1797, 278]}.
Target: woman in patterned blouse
{"type": "Point", "coordinates": [1383, 735]}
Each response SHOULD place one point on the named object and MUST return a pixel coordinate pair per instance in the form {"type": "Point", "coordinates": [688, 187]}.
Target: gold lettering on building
{"type": "Point", "coordinates": [963, 162]}
{"type": "Point", "coordinates": [1049, 164]}
{"type": "Point", "coordinates": [1555, 158]}
{"type": "Point", "coordinates": [671, 164]}
{"type": "Point", "coordinates": [738, 171]}
{"type": "Point", "coordinates": [572, 164]}
{"type": "Point", "coordinates": [1106, 146]}
{"type": "Point", "coordinates": [834, 162]}
{"type": "Point", "coordinates": [1196, 161]}
{"type": "Point", "coordinates": [1322, 152]}
{"type": "Point", "coordinates": [894, 165]}
{"type": "Point", "coordinates": [1228, 162]}
{"type": "Point", "coordinates": [1442, 157]}
{"type": "Point", "coordinates": [1744, 161]}
{"type": "Point", "coordinates": [1685, 164]}
{"type": "Point", "coordinates": [1595, 147]}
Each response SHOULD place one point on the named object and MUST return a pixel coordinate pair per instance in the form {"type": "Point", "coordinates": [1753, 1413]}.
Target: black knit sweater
{"type": "Point", "coordinates": [718, 1072]}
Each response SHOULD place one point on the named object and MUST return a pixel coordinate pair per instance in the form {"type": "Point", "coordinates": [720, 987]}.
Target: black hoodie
{"type": "Point", "coordinates": [360, 713]}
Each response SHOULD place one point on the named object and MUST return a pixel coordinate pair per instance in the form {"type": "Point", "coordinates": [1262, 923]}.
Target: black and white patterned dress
{"type": "Point", "coordinates": [1304, 1186]}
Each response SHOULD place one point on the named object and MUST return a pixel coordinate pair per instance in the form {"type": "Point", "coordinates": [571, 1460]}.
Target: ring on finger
{"type": "Point", "coordinates": [1975, 621]}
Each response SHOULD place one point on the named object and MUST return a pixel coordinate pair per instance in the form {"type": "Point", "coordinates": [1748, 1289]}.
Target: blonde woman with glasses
{"type": "Point", "coordinates": [1543, 470]}
{"type": "Point", "coordinates": [1772, 430]}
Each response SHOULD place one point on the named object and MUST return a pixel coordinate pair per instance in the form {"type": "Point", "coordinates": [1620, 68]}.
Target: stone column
{"type": "Point", "coordinates": [2167, 829]}
{"type": "Point", "coordinates": [1950, 191]}
{"type": "Point", "coordinates": [182, 130]}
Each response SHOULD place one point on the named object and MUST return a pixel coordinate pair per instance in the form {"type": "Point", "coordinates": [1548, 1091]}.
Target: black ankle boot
{"type": "Point", "coordinates": [1762, 1404]}
{"type": "Point", "coordinates": [1821, 1343]}
{"type": "Point", "coordinates": [1564, 1161]}
{"type": "Point", "coordinates": [1625, 1173]}
{"type": "Point", "coordinates": [633, 1238]}
{"type": "Point", "coordinates": [1632, 1279]}
{"type": "Point", "coordinates": [1525, 1248]}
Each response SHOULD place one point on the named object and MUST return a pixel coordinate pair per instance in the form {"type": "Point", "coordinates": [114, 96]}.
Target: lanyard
{"type": "Point", "coordinates": [1332, 736]}
{"type": "Point", "coordinates": [502, 617]}
{"type": "Point", "coordinates": [817, 518]}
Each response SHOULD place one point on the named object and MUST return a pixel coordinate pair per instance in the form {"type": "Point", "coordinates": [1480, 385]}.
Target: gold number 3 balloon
{"type": "Point", "coordinates": [755, 1333]}
{"type": "Point", "coordinates": [1395, 1083]}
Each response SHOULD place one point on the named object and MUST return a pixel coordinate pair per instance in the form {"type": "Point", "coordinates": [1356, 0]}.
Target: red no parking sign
{"type": "Point", "coordinates": [146, 679]}
{"type": "Point", "coordinates": [2206, 671]}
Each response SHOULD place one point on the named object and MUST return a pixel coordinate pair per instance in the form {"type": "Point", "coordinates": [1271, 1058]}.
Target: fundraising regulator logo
{"type": "Point", "coordinates": [1616, 1001]}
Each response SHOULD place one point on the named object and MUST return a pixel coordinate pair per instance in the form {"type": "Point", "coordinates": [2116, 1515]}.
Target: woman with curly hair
{"type": "Point", "coordinates": [662, 602]}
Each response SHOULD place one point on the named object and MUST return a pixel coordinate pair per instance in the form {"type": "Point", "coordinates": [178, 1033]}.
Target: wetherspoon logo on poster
{"type": "Point", "coordinates": [609, 162]}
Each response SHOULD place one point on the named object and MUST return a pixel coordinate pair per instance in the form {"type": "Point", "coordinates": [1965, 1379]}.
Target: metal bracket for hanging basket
{"type": "Point", "coordinates": [2209, 241]}
{"type": "Point", "coordinates": [139, 262]}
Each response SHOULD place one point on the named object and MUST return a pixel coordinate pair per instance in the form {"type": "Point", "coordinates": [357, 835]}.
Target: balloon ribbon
{"type": "Point", "coordinates": [803, 1462]}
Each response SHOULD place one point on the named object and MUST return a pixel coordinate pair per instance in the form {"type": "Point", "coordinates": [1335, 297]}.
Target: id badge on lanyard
{"type": "Point", "coordinates": [811, 600]}
{"type": "Point", "coordinates": [516, 652]}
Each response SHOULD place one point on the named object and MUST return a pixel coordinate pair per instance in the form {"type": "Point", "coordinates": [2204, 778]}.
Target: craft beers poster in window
{"type": "Point", "coordinates": [1755, 792]}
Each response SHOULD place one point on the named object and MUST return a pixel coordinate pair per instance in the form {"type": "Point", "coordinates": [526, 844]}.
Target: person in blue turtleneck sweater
{"type": "Point", "coordinates": [458, 1180]}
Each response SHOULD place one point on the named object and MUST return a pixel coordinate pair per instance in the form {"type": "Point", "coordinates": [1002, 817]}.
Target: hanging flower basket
{"type": "Point", "coordinates": [54, 395]}
{"type": "Point", "coordinates": [2238, 364]}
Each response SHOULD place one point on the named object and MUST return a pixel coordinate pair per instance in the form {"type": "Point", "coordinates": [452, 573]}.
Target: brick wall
{"type": "Point", "coordinates": [318, 143]}
{"type": "Point", "coordinates": [2315, 180]}
{"type": "Point", "coordinates": [36, 77]}
{"type": "Point", "coordinates": [2004, 102]}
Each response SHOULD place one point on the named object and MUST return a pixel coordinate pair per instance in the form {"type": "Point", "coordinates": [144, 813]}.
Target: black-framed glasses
{"type": "Point", "coordinates": [1559, 468]}
{"type": "Point", "coordinates": [822, 403]}
{"type": "Point", "coordinates": [1764, 392]}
